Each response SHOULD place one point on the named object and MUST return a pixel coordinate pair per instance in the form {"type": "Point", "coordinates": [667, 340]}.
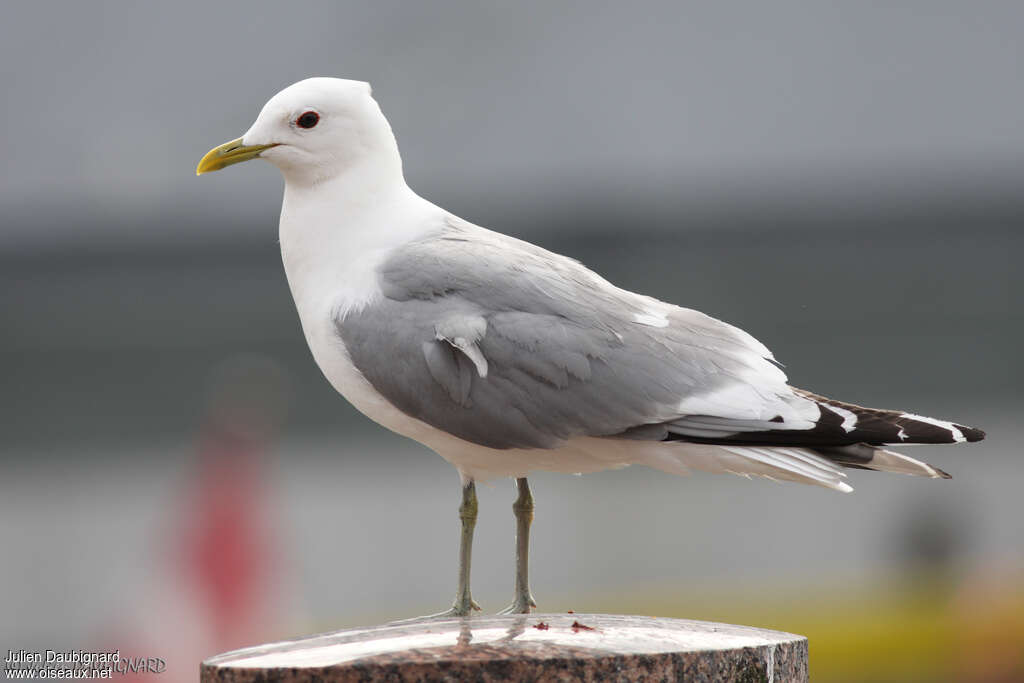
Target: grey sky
{"type": "Point", "coordinates": [108, 105]}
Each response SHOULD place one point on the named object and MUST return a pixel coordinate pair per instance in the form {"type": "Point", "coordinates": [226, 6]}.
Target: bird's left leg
{"type": "Point", "coordinates": [523, 510]}
{"type": "Point", "coordinates": [464, 602]}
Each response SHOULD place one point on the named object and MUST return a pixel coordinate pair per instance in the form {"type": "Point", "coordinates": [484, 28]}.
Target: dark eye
{"type": "Point", "coordinates": [308, 119]}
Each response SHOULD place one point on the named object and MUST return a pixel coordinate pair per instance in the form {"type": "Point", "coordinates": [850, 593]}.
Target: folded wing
{"type": "Point", "coordinates": [507, 345]}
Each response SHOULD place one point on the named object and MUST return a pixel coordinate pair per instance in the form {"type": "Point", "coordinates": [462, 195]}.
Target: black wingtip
{"type": "Point", "coordinates": [970, 433]}
{"type": "Point", "coordinates": [942, 474]}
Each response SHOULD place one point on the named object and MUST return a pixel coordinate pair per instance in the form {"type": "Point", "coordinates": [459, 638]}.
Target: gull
{"type": "Point", "coordinates": [505, 358]}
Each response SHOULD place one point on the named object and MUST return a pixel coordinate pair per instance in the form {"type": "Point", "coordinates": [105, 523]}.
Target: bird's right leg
{"type": "Point", "coordinates": [523, 602]}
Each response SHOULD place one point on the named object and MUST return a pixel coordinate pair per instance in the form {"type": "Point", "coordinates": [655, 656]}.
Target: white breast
{"type": "Point", "coordinates": [331, 251]}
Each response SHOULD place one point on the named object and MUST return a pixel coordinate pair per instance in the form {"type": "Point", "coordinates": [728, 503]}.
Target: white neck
{"type": "Point", "coordinates": [334, 234]}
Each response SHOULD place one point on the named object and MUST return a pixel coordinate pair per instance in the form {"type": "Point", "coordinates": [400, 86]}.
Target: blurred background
{"type": "Point", "coordinates": [843, 180]}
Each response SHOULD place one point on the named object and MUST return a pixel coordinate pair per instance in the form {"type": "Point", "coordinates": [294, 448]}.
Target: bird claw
{"type": "Point", "coordinates": [520, 606]}
{"type": "Point", "coordinates": [459, 609]}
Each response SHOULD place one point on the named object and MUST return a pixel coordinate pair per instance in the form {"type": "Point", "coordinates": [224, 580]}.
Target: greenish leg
{"type": "Point", "coordinates": [523, 510]}
{"type": "Point", "coordinates": [467, 513]}
{"type": "Point", "coordinates": [464, 603]}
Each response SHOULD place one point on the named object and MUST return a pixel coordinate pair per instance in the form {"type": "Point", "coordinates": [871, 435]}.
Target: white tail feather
{"type": "Point", "coordinates": [785, 464]}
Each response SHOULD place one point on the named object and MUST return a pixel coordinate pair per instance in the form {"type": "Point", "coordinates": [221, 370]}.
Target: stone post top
{"type": "Point", "coordinates": [532, 647]}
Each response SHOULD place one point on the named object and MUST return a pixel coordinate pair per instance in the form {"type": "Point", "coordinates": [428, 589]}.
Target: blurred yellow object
{"type": "Point", "coordinates": [924, 629]}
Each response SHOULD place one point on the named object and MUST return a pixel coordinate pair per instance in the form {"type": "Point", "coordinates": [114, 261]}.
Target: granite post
{"type": "Point", "coordinates": [534, 647]}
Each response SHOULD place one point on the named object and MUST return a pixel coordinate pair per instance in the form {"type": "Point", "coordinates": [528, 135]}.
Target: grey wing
{"type": "Point", "coordinates": [509, 346]}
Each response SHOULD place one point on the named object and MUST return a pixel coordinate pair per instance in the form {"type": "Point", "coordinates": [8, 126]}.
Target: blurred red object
{"type": "Point", "coordinates": [227, 553]}
{"type": "Point", "coordinates": [217, 585]}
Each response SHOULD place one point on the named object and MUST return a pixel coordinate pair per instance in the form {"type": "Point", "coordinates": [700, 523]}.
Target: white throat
{"type": "Point", "coordinates": [334, 235]}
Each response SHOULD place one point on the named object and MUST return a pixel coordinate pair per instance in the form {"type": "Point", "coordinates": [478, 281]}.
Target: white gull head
{"type": "Point", "coordinates": [346, 205]}
{"type": "Point", "coordinates": [322, 128]}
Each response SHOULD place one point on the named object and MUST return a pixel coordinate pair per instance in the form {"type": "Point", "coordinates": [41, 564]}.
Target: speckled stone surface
{"type": "Point", "coordinates": [535, 647]}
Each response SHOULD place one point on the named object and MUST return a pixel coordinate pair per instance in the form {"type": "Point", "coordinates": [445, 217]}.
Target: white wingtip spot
{"type": "Point", "coordinates": [957, 435]}
{"type": "Point", "coordinates": [849, 417]}
{"type": "Point", "coordinates": [844, 487]}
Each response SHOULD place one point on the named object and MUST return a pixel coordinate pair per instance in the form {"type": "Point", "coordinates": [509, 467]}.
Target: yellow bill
{"type": "Point", "coordinates": [233, 152]}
